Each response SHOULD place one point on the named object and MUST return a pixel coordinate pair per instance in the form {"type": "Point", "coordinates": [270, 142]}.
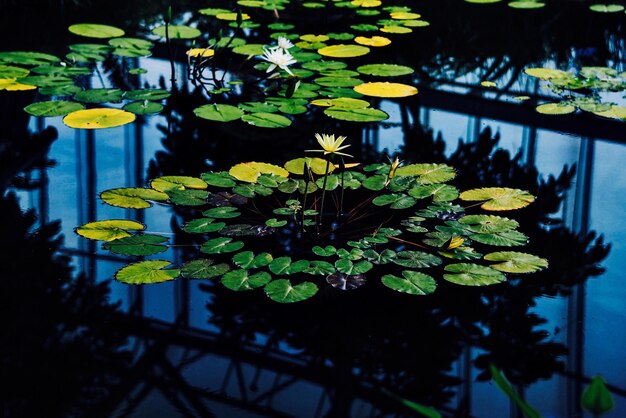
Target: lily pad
{"type": "Point", "coordinates": [241, 280]}
{"type": "Point", "coordinates": [251, 171]}
{"type": "Point", "coordinates": [108, 230]}
{"type": "Point", "coordinates": [247, 260]}
{"type": "Point", "coordinates": [486, 224]}
{"type": "Point", "coordinates": [283, 291]}
{"type": "Point", "coordinates": [267, 120]}
{"type": "Point", "coordinates": [137, 245]}
{"type": "Point", "coordinates": [499, 198]}
{"type": "Point", "coordinates": [53, 108]}
{"type": "Point", "coordinates": [384, 70]}
{"type": "Point", "coordinates": [395, 201]}
{"type": "Point", "coordinates": [203, 269]}
{"type": "Point", "coordinates": [147, 94]}
{"type": "Point", "coordinates": [515, 262]}
{"type": "Point", "coordinates": [99, 95]}
{"type": "Point", "coordinates": [219, 112]}
{"type": "Point", "coordinates": [356, 115]}
{"type": "Point", "coordinates": [203, 226]}
{"type": "Point", "coordinates": [221, 245]}
{"type": "Point", "coordinates": [9, 71]}
{"type": "Point", "coordinates": [468, 274]}
{"type": "Point", "coordinates": [143, 108]}
{"type": "Point", "coordinates": [413, 283]}
{"type": "Point", "coordinates": [132, 197]}
{"type": "Point", "coordinates": [386, 89]}
{"type": "Point", "coordinates": [343, 51]}
{"type": "Point", "coordinates": [416, 259]}
{"type": "Point", "coordinates": [439, 192]}
{"type": "Point", "coordinates": [165, 183]}
{"type": "Point", "coordinates": [509, 238]}
{"type": "Point", "coordinates": [92, 30]}
{"type": "Point", "coordinates": [223, 212]}
{"type": "Point", "coordinates": [146, 272]}
{"type": "Point", "coordinates": [346, 282]}
{"type": "Point", "coordinates": [555, 109]}
{"type": "Point", "coordinates": [177, 32]}
{"type": "Point", "coordinates": [188, 197]}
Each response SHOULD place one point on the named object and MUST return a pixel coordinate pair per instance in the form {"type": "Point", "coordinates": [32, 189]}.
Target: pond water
{"type": "Point", "coordinates": [78, 342]}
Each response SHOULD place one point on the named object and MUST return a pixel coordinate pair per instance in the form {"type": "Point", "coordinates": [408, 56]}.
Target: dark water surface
{"type": "Point", "coordinates": [76, 344]}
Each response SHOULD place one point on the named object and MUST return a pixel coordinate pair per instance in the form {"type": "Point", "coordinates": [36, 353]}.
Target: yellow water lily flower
{"type": "Point", "coordinates": [330, 145]}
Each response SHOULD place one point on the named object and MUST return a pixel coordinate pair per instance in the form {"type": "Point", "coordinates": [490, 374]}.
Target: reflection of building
{"type": "Point", "coordinates": [181, 361]}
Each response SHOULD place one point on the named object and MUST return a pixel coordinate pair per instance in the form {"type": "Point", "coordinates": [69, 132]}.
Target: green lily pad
{"type": "Point", "coordinates": [395, 201]}
{"type": "Point", "coordinates": [283, 291]}
{"type": "Point", "coordinates": [468, 274]}
{"type": "Point", "coordinates": [284, 265]}
{"type": "Point", "coordinates": [108, 230]}
{"type": "Point", "coordinates": [166, 183]}
{"type": "Point", "coordinates": [384, 257]}
{"type": "Point", "coordinates": [53, 108]}
{"type": "Point", "coordinates": [146, 272]}
{"type": "Point", "coordinates": [416, 259]}
{"type": "Point", "coordinates": [222, 179]}
{"type": "Point", "coordinates": [188, 197]}
{"type": "Point", "coordinates": [356, 115]}
{"type": "Point", "coordinates": [487, 224]}
{"type": "Point", "coordinates": [9, 71]}
{"type": "Point", "coordinates": [606, 8]}
{"type": "Point", "coordinates": [267, 120]}
{"type": "Point", "coordinates": [499, 198]}
{"type": "Point", "coordinates": [137, 245]}
{"type": "Point", "coordinates": [385, 70]}
{"type": "Point", "coordinates": [526, 4]}
{"type": "Point", "coordinates": [514, 262]}
{"type": "Point", "coordinates": [92, 30]}
{"type": "Point", "coordinates": [147, 94]}
{"type": "Point", "coordinates": [143, 108]}
{"type": "Point", "coordinates": [439, 192]}
{"type": "Point", "coordinates": [327, 251]}
{"type": "Point", "coordinates": [247, 260]}
{"type": "Point", "coordinates": [221, 245]}
{"type": "Point", "coordinates": [555, 109]}
{"type": "Point", "coordinates": [347, 267]}
{"type": "Point", "coordinates": [508, 238]}
{"type": "Point", "coordinates": [413, 283]}
{"type": "Point", "coordinates": [203, 269]}
{"type": "Point", "coordinates": [219, 112]}
{"type": "Point", "coordinates": [241, 280]}
{"type": "Point", "coordinates": [427, 173]}
{"type": "Point", "coordinates": [27, 58]}
{"type": "Point", "coordinates": [177, 32]}
{"type": "Point", "coordinates": [132, 197]}
{"type": "Point", "coordinates": [99, 95]}
{"type": "Point", "coordinates": [222, 212]}
{"type": "Point", "coordinates": [203, 226]}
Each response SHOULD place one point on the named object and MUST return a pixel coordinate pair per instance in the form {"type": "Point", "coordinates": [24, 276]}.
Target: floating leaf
{"type": "Point", "coordinates": [247, 259]}
{"type": "Point", "coordinates": [384, 70]}
{"type": "Point", "coordinates": [203, 269]}
{"type": "Point", "coordinates": [606, 8]}
{"type": "Point", "coordinates": [177, 32]}
{"type": "Point", "coordinates": [266, 120]}
{"type": "Point", "coordinates": [514, 262]}
{"type": "Point", "coordinates": [98, 118]}
{"type": "Point", "coordinates": [356, 115]}
{"type": "Point", "coordinates": [146, 272]}
{"type": "Point", "coordinates": [200, 52]}
{"type": "Point", "coordinates": [221, 245]}
{"type": "Point", "coordinates": [395, 201]}
{"type": "Point", "coordinates": [348, 267]}
{"type": "Point", "coordinates": [597, 398]}
{"type": "Point", "coordinates": [416, 259]}
{"type": "Point", "coordinates": [132, 197]}
{"type": "Point", "coordinates": [108, 230]}
{"type": "Point", "coordinates": [240, 230]}
{"type": "Point", "coordinates": [8, 71]}
{"type": "Point", "coordinates": [223, 212]}
{"type": "Point", "coordinates": [499, 198]}
{"type": "Point", "coordinates": [507, 238]}
{"type": "Point", "coordinates": [221, 179]}
{"type": "Point", "coordinates": [53, 108]}
{"type": "Point", "coordinates": [547, 73]}
{"type": "Point", "coordinates": [526, 4]}
{"type": "Point", "coordinates": [219, 112]}
{"type": "Point", "coordinates": [487, 224]}
{"type": "Point", "coordinates": [386, 89]}
{"type": "Point", "coordinates": [166, 183]}
{"type": "Point", "coordinates": [413, 283]}
{"type": "Point", "coordinates": [376, 41]}
{"type": "Point", "coordinates": [342, 102]}
{"type": "Point", "coordinates": [284, 265]}
{"type": "Point", "coordinates": [346, 282]}
{"type": "Point", "coordinates": [555, 109]}
{"type": "Point", "coordinates": [427, 173]}
{"type": "Point", "coordinates": [241, 280]}
{"type": "Point", "coordinates": [99, 95]}
{"type": "Point", "coordinates": [27, 58]}
{"type": "Point", "coordinates": [92, 30]}
{"type": "Point", "coordinates": [284, 292]}
{"type": "Point", "coordinates": [188, 197]}
{"type": "Point", "coordinates": [614, 112]}
{"type": "Point", "coordinates": [147, 94]}
{"type": "Point", "coordinates": [203, 226]}
{"type": "Point", "coordinates": [343, 51]}
{"type": "Point", "coordinates": [396, 29]}
{"type": "Point", "coordinates": [439, 192]}
{"type": "Point", "coordinates": [385, 257]}
{"type": "Point", "coordinates": [468, 274]}
{"type": "Point", "coordinates": [251, 171]}
{"type": "Point", "coordinates": [137, 245]}
{"type": "Point", "coordinates": [327, 251]}
{"type": "Point", "coordinates": [143, 108]}
{"type": "Point", "coordinates": [11, 84]}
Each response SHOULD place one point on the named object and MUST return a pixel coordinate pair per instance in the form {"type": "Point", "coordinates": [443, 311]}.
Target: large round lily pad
{"type": "Point", "coordinates": [284, 292]}
{"type": "Point", "coordinates": [413, 283]}
{"type": "Point", "coordinates": [468, 274]}
{"type": "Point", "coordinates": [386, 89]}
{"type": "Point", "coordinates": [343, 51]}
{"type": "Point", "coordinates": [93, 30]}
{"type": "Point", "coordinates": [516, 262]}
{"type": "Point", "coordinates": [146, 272]}
{"type": "Point", "coordinates": [108, 230]}
{"type": "Point", "coordinates": [53, 108]}
{"type": "Point", "coordinates": [499, 198]}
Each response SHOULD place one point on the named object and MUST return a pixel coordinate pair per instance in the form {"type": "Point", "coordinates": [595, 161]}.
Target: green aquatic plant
{"type": "Point", "coordinates": [260, 225]}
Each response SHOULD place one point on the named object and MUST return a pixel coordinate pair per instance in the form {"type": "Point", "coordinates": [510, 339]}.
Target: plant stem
{"type": "Point", "coordinates": [343, 169]}
{"type": "Point", "coordinates": [323, 192]}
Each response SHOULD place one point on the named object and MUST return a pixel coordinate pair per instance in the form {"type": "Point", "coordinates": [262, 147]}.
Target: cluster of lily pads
{"type": "Point", "coordinates": [267, 226]}
{"type": "Point", "coordinates": [582, 90]}
{"type": "Point", "coordinates": [536, 4]}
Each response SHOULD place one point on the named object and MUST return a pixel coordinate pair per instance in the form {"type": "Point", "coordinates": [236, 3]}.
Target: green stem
{"type": "Point", "coordinates": [324, 192]}
{"type": "Point", "coordinates": [343, 169]}
{"type": "Point", "coordinates": [306, 191]}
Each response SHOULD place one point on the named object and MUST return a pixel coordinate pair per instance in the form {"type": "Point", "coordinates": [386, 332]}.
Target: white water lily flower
{"type": "Point", "coordinates": [284, 43]}
{"type": "Point", "coordinates": [278, 57]}
{"type": "Point", "coordinates": [330, 145]}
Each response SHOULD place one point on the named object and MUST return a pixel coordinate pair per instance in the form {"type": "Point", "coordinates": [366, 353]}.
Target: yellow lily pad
{"type": "Point", "coordinates": [499, 198]}
{"type": "Point", "coordinates": [251, 171]}
{"type": "Point", "coordinates": [405, 15]}
{"type": "Point", "coordinates": [615, 112]}
{"type": "Point", "coordinates": [546, 73]}
{"type": "Point", "coordinates": [343, 51]}
{"type": "Point", "coordinates": [396, 29]}
{"type": "Point", "coordinates": [366, 3]}
{"type": "Point", "coordinates": [555, 109]}
{"type": "Point", "coordinates": [98, 118]}
{"type": "Point", "coordinates": [316, 165]}
{"type": "Point", "coordinates": [373, 41]}
{"type": "Point", "coordinates": [108, 230]}
{"type": "Point", "coordinates": [232, 16]}
{"type": "Point", "coordinates": [488, 84]}
{"type": "Point", "coordinates": [11, 84]}
{"type": "Point", "coordinates": [385, 89]}
{"type": "Point", "coordinates": [200, 52]}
